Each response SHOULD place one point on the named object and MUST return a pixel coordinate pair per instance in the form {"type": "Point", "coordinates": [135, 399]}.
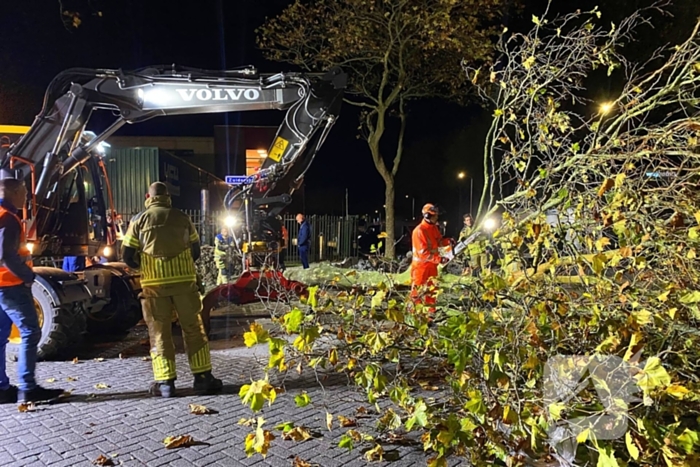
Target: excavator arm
{"type": "Point", "coordinates": [55, 145]}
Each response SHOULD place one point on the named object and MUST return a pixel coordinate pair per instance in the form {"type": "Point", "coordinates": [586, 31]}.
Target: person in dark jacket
{"type": "Point", "coordinates": [16, 301]}
{"type": "Point", "coordinates": [304, 240]}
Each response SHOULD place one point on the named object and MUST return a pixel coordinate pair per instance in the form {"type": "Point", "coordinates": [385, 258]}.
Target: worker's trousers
{"type": "Point", "coordinates": [224, 276]}
{"type": "Point", "coordinates": [423, 280]}
{"type": "Point", "coordinates": [158, 304]}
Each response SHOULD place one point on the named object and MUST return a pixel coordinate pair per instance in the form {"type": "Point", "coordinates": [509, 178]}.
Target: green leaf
{"type": "Point", "coordinates": [293, 320]}
{"type": "Point", "coordinates": [419, 416]}
{"type": "Point", "coordinates": [285, 426]}
{"type": "Point", "coordinates": [312, 300]}
{"type": "Point", "coordinates": [346, 442]}
{"type": "Point", "coordinates": [302, 400]}
{"type": "Point", "coordinates": [688, 440]}
{"type": "Point", "coordinates": [476, 403]}
{"type": "Point", "coordinates": [689, 298]}
{"type": "Point", "coordinates": [606, 458]}
{"type": "Point", "coordinates": [257, 393]}
{"type": "Point", "coordinates": [306, 338]}
{"type": "Point", "coordinates": [256, 335]}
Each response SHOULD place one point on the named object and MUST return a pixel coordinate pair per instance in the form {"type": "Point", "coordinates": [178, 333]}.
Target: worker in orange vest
{"type": "Point", "coordinates": [16, 301]}
{"type": "Point", "coordinates": [426, 240]}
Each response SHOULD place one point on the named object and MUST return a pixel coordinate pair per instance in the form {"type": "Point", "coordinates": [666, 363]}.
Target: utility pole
{"type": "Point", "coordinates": [347, 204]}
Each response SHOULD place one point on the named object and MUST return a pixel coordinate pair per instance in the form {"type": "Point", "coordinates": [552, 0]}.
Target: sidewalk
{"type": "Point", "coordinates": [124, 423]}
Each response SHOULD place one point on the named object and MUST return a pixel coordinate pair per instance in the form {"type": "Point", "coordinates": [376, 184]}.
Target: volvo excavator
{"type": "Point", "coordinates": [69, 211]}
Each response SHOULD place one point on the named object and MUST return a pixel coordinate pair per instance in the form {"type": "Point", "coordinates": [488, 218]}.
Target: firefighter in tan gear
{"type": "Point", "coordinates": [163, 243]}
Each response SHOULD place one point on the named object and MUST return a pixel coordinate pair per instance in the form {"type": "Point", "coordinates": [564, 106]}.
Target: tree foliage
{"type": "Point", "coordinates": [614, 278]}
{"type": "Point", "coordinates": [395, 51]}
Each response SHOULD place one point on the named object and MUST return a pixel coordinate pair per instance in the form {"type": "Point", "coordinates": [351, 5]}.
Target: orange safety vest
{"type": "Point", "coordinates": [7, 278]}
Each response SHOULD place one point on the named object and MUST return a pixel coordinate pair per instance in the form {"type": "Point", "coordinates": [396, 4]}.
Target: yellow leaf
{"type": "Point", "coordinates": [631, 448]}
{"type": "Point", "coordinates": [672, 313]}
{"type": "Point", "coordinates": [677, 391]}
{"type": "Point", "coordinates": [101, 386]}
{"type": "Point", "coordinates": [329, 421]}
{"type": "Point", "coordinates": [51, 380]}
{"type": "Point", "coordinates": [529, 62]}
{"type": "Point", "coordinates": [375, 454]}
{"type": "Point", "coordinates": [556, 409]}
{"type": "Point", "coordinates": [697, 217]}
{"type": "Point", "coordinates": [607, 184]}
{"type": "Point", "coordinates": [601, 243]}
{"type": "Point", "coordinates": [183, 441]}
{"type": "Point", "coordinates": [653, 375]}
{"type": "Point", "coordinates": [299, 462]}
{"type": "Point", "coordinates": [201, 410]}
{"type": "Point", "coordinates": [346, 422]}
{"type": "Point", "coordinates": [642, 317]}
{"type": "Point", "coordinates": [619, 180]}
{"type": "Point", "coordinates": [583, 436]}
{"type": "Point", "coordinates": [664, 296]}
{"type": "Point", "coordinates": [256, 335]}
{"type": "Point", "coordinates": [298, 433]}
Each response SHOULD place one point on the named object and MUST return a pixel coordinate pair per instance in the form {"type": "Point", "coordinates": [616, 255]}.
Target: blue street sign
{"type": "Point", "coordinates": [238, 179]}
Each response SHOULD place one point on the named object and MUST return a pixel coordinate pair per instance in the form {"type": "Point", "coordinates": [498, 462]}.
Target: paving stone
{"type": "Point", "coordinates": [124, 419]}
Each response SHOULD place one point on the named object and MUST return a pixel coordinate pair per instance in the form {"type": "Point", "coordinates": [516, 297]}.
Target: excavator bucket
{"type": "Point", "coordinates": [251, 287]}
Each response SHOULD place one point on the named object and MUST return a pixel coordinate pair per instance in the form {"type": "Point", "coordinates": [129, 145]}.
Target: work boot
{"type": "Point", "coordinates": [9, 395]}
{"type": "Point", "coordinates": [162, 388]}
{"type": "Point", "coordinates": [205, 383]}
{"type": "Point", "coordinates": [39, 394]}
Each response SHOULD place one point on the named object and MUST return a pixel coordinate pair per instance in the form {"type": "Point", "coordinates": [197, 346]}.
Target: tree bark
{"type": "Point", "coordinates": [389, 197]}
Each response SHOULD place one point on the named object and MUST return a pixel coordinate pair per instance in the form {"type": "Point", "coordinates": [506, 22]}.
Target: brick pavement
{"type": "Point", "coordinates": [124, 423]}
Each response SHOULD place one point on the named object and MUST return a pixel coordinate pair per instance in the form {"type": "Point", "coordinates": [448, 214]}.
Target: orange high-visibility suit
{"type": "Point", "coordinates": [426, 240]}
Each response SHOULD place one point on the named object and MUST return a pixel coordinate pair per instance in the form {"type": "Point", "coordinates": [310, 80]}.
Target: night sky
{"type": "Point", "coordinates": [218, 34]}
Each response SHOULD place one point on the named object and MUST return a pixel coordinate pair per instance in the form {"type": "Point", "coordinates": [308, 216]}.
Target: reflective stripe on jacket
{"type": "Point", "coordinates": [163, 236]}
{"type": "Point", "coordinates": [221, 245]}
{"type": "Point", "coordinates": [7, 278]}
{"type": "Point", "coordinates": [477, 247]}
{"type": "Point", "coordinates": [426, 239]}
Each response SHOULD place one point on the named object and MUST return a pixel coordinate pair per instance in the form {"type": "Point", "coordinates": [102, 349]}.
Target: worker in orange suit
{"type": "Point", "coordinates": [426, 240]}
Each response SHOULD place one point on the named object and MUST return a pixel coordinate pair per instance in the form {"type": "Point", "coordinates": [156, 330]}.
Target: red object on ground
{"type": "Point", "coordinates": [251, 287]}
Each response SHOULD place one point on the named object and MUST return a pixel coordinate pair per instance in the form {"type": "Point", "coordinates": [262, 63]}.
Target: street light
{"type": "Point", "coordinates": [606, 107]}
{"type": "Point", "coordinates": [461, 176]}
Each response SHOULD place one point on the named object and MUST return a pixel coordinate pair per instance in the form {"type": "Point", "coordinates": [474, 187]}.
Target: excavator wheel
{"type": "Point", "coordinates": [62, 322]}
{"type": "Point", "coordinates": [123, 311]}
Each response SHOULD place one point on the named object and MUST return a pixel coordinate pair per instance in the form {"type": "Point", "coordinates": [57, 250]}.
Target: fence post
{"type": "Point", "coordinates": [205, 216]}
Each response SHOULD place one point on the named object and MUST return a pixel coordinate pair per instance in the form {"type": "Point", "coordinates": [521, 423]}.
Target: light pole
{"type": "Point", "coordinates": [413, 206]}
{"type": "Point", "coordinates": [461, 176]}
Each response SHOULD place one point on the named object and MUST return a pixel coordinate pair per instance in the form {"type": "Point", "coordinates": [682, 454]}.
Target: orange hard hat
{"type": "Point", "coordinates": [429, 208]}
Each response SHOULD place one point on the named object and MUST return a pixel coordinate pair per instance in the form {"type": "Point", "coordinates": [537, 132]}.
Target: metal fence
{"type": "Point", "coordinates": [333, 237]}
